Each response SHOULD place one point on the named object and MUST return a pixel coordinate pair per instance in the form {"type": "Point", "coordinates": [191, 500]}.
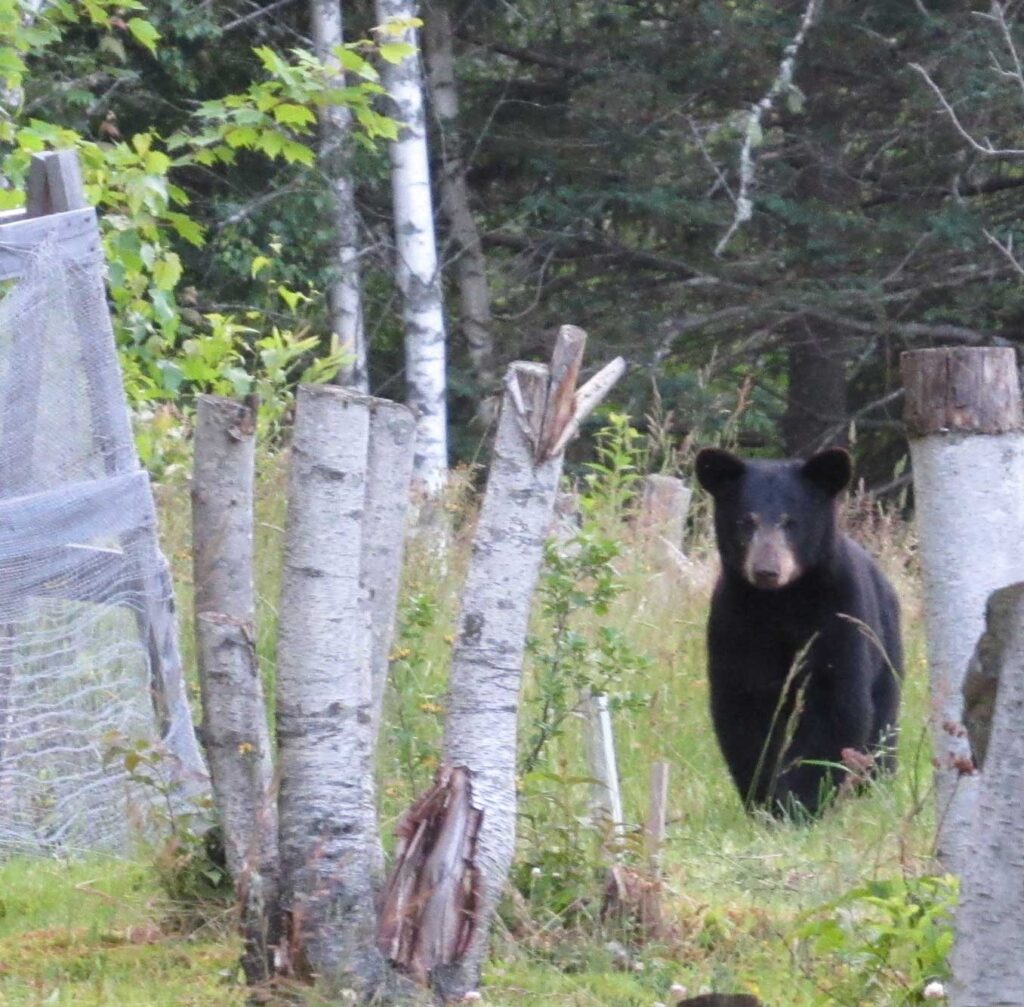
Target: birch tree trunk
{"type": "Point", "coordinates": [392, 439]}
{"type": "Point", "coordinates": [235, 729]}
{"type": "Point", "coordinates": [419, 278]}
{"type": "Point", "coordinates": [988, 968]}
{"type": "Point", "coordinates": [456, 843]}
{"type": "Point", "coordinates": [328, 831]}
{"type": "Point", "coordinates": [344, 295]}
{"type": "Point", "coordinates": [963, 413]}
{"type": "Point", "coordinates": [487, 663]}
{"type": "Point", "coordinates": [470, 264]}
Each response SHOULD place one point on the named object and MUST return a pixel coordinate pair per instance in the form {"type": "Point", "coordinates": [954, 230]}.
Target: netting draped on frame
{"type": "Point", "coordinates": [81, 578]}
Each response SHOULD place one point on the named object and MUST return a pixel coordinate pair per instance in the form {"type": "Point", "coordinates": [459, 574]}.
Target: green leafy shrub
{"type": "Point", "coordinates": [881, 942]}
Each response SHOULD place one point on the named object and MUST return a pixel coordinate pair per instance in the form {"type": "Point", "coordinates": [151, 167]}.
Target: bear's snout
{"type": "Point", "coordinates": [770, 562]}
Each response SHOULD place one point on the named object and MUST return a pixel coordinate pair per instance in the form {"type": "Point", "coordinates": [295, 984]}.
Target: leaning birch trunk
{"type": "Point", "coordinates": [328, 833]}
{"type": "Point", "coordinates": [470, 264]}
{"type": "Point", "coordinates": [235, 727]}
{"type": "Point", "coordinates": [456, 843]}
{"type": "Point", "coordinates": [487, 663]}
{"type": "Point", "coordinates": [418, 275]}
{"type": "Point", "coordinates": [344, 294]}
{"type": "Point", "coordinates": [987, 964]}
{"type": "Point", "coordinates": [963, 414]}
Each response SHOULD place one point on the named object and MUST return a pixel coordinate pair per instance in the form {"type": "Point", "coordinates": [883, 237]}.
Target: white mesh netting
{"type": "Point", "coordinates": [87, 646]}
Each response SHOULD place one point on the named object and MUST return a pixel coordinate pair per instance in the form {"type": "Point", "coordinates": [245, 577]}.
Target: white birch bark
{"type": "Point", "coordinates": [969, 500]}
{"type": "Point", "coordinates": [328, 833]}
{"type": "Point", "coordinates": [235, 729]}
{"type": "Point", "coordinates": [483, 703]}
{"type": "Point", "coordinates": [418, 275]}
{"type": "Point", "coordinates": [392, 439]}
{"type": "Point", "coordinates": [470, 264]}
{"type": "Point", "coordinates": [987, 964]}
{"type": "Point", "coordinates": [344, 294]}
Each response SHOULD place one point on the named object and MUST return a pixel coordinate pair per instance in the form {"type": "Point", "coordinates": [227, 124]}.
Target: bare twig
{"type": "Point", "coordinates": [986, 148]}
{"type": "Point", "coordinates": [1006, 248]}
{"type": "Point", "coordinates": [255, 15]}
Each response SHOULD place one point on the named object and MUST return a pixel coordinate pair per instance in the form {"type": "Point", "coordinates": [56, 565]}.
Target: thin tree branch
{"type": "Point", "coordinates": [255, 15]}
{"type": "Point", "coordinates": [986, 148]}
{"type": "Point", "coordinates": [783, 82]}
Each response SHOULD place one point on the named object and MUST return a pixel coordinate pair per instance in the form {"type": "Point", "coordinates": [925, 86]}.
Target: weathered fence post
{"type": "Point", "coordinates": [392, 441]}
{"type": "Point", "coordinates": [328, 829]}
{"type": "Point", "coordinates": [599, 745]}
{"type": "Point", "coordinates": [988, 967]}
{"type": "Point", "coordinates": [445, 941]}
{"type": "Point", "coordinates": [661, 519]}
{"type": "Point", "coordinates": [963, 412]}
{"type": "Point", "coordinates": [235, 731]}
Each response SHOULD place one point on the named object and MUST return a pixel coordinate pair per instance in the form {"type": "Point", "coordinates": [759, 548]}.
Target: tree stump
{"type": "Point", "coordinates": [963, 412]}
{"type": "Point", "coordinates": [988, 968]}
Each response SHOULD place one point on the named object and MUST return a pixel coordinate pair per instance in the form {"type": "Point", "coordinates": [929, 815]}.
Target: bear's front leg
{"type": "Point", "coordinates": [836, 713]}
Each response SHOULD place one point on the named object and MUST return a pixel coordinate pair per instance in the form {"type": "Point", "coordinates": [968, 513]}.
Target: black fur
{"type": "Point", "coordinates": [840, 607]}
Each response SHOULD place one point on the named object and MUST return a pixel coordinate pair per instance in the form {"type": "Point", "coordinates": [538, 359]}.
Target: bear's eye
{"type": "Point", "coordinates": [747, 524]}
{"type": "Point", "coordinates": [787, 523]}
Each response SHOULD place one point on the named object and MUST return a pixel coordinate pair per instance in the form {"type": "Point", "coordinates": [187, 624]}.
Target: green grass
{"type": "Point", "coordinates": [96, 932]}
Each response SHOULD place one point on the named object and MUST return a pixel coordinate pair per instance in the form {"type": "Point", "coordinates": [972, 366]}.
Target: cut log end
{"type": "Point", "coordinates": [962, 389]}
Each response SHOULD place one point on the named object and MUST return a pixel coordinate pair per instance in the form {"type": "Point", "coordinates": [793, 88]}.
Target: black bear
{"type": "Point", "coordinates": [804, 651]}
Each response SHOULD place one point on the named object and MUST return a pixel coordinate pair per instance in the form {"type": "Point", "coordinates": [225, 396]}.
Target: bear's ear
{"type": "Point", "coordinates": [829, 470]}
{"type": "Point", "coordinates": [717, 469]}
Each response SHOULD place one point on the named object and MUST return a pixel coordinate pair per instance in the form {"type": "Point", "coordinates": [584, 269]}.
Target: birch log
{"type": "Point", "coordinates": [470, 264]}
{"type": "Point", "coordinates": [418, 275]}
{"type": "Point", "coordinates": [988, 968]}
{"type": "Point", "coordinates": [456, 843]}
{"type": "Point", "coordinates": [392, 439]}
{"type": "Point", "coordinates": [324, 700]}
{"type": "Point", "coordinates": [235, 729]}
{"type": "Point", "coordinates": [963, 413]}
{"type": "Point", "coordinates": [344, 294]}
{"type": "Point", "coordinates": [487, 663]}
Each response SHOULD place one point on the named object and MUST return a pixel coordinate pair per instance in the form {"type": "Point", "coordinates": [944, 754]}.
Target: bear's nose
{"type": "Point", "coordinates": [766, 578]}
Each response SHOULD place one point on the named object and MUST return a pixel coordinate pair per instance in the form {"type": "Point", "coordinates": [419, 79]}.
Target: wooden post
{"type": "Point", "coordinates": [235, 730]}
{"type": "Point", "coordinates": [963, 412]}
{"type": "Point", "coordinates": [599, 745]}
{"type": "Point", "coordinates": [661, 521]}
{"type": "Point", "coordinates": [657, 810]}
{"type": "Point", "coordinates": [988, 967]}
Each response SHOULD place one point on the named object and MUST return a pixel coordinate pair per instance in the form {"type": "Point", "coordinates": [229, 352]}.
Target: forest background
{"type": "Point", "coordinates": [608, 149]}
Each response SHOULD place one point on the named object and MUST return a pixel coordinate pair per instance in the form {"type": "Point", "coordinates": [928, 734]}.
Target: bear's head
{"type": "Point", "coordinates": [774, 520]}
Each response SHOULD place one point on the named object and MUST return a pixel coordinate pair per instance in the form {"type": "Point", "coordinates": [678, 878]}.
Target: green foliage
{"type": "Point", "coordinates": [187, 854]}
{"type": "Point", "coordinates": [417, 676]}
{"type": "Point", "coordinates": [577, 653]}
{"type": "Point", "coordinates": [881, 942]}
{"type": "Point", "coordinates": [169, 351]}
